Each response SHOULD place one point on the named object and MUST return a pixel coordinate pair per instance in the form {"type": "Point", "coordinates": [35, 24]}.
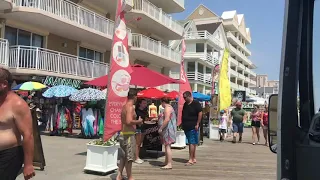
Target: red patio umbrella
{"type": "Point", "coordinates": [140, 76]}
{"type": "Point", "coordinates": [172, 95]}
{"type": "Point", "coordinates": [151, 93]}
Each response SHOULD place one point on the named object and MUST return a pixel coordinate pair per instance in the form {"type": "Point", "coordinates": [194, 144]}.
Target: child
{"type": "Point", "coordinates": [222, 125]}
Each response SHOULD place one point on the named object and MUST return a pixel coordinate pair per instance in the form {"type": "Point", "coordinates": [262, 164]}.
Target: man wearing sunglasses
{"type": "Point", "coordinates": [191, 118]}
{"type": "Point", "coordinates": [15, 121]}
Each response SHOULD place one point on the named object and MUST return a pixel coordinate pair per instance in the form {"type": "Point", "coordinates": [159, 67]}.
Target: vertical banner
{"type": "Point", "coordinates": [119, 75]}
{"type": "Point", "coordinates": [215, 76]}
{"type": "Point", "coordinates": [185, 86]}
{"type": "Point", "coordinates": [224, 83]}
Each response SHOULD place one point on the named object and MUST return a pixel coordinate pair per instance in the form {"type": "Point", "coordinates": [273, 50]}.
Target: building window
{"type": "Point", "coordinates": [90, 54]}
{"type": "Point", "coordinates": [199, 47]}
{"type": "Point", "coordinates": [21, 37]}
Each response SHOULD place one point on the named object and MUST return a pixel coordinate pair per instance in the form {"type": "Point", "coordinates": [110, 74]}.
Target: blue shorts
{"type": "Point", "coordinates": [192, 136]}
{"type": "Point", "coordinates": [237, 127]}
{"type": "Point", "coordinates": [138, 131]}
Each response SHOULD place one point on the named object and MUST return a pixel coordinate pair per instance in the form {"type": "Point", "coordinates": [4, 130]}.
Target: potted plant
{"type": "Point", "coordinates": [214, 129]}
{"type": "Point", "coordinates": [180, 139]}
{"type": "Point", "coordinates": [102, 156]}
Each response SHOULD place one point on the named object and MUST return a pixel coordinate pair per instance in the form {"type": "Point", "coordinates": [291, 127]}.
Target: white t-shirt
{"type": "Point", "coordinates": [223, 122]}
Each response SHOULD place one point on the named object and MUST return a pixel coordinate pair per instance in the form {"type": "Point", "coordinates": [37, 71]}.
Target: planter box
{"type": "Point", "coordinates": [102, 158]}
{"type": "Point", "coordinates": [180, 140]}
{"type": "Point", "coordinates": [214, 132]}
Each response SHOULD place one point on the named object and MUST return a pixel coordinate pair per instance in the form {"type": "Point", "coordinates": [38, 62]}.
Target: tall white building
{"type": "Point", "coordinates": [71, 40]}
{"type": "Point", "coordinates": [207, 34]}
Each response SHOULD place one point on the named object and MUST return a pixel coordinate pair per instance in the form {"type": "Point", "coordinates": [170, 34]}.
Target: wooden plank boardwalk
{"type": "Point", "coordinates": [66, 157]}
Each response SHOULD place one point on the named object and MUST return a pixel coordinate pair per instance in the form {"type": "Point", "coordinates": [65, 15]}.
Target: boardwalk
{"type": "Point", "coordinates": [66, 158]}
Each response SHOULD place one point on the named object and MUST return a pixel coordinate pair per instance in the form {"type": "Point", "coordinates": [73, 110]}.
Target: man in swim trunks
{"type": "Point", "coordinates": [191, 119]}
{"type": "Point", "coordinates": [127, 136]}
{"type": "Point", "coordinates": [15, 121]}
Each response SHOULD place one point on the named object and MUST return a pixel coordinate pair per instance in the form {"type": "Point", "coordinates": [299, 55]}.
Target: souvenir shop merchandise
{"type": "Point", "coordinates": [92, 121]}
{"type": "Point", "coordinates": [153, 113]}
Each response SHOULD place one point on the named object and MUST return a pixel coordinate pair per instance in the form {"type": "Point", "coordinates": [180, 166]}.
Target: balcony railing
{"type": "Point", "coordinates": [197, 76]}
{"type": "Point", "coordinates": [72, 12]}
{"type": "Point", "coordinates": [155, 47]}
{"type": "Point", "coordinates": [156, 13]}
{"type": "Point", "coordinates": [233, 72]}
{"type": "Point", "coordinates": [203, 35]}
{"type": "Point", "coordinates": [203, 56]}
{"type": "Point", "coordinates": [34, 58]}
{"type": "Point", "coordinates": [242, 56]}
{"type": "Point", "coordinates": [250, 72]}
{"type": "Point", "coordinates": [234, 38]}
{"type": "Point", "coordinates": [232, 60]}
{"type": "Point", "coordinates": [4, 52]}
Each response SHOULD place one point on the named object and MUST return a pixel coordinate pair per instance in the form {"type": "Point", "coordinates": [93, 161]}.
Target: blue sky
{"type": "Point", "coordinates": [265, 20]}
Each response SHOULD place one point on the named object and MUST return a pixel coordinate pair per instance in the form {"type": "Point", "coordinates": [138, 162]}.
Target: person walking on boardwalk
{"type": "Point", "coordinates": [127, 136]}
{"type": "Point", "coordinates": [191, 118]}
{"type": "Point", "coordinates": [256, 124]}
{"type": "Point", "coordinates": [265, 124]}
{"type": "Point", "coordinates": [167, 130]}
{"type": "Point", "coordinates": [15, 121]}
{"type": "Point", "coordinates": [238, 116]}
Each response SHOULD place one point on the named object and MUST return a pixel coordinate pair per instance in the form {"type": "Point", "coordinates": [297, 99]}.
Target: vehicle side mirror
{"type": "Point", "coordinates": [272, 122]}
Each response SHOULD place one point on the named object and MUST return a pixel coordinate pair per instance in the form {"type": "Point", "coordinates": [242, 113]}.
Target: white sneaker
{"type": "Point", "coordinates": [139, 161]}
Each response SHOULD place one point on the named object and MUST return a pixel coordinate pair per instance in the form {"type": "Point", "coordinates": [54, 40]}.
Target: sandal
{"type": "Point", "coordinates": [166, 168]}
{"type": "Point", "coordinates": [189, 164]}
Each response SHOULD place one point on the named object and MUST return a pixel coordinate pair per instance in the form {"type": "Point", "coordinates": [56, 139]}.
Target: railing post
{"type": "Point", "coordinates": [38, 4]}
{"type": "Point", "coordinates": [160, 14]}
{"type": "Point", "coordinates": [59, 59]}
{"type": "Point", "coordinates": [78, 9]}
{"type": "Point", "coordinates": [60, 8]}
{"type": "Point", "coordinates": [18, 58]}
{"type": "Point", "coordinates": [92, 68]}
{"type": "Point", "coordinates": [196, 75]}
{"type": "Point", "coordinates": [94, 22]}
{"type": "Point", "coordinates": [159, 48]}
{"type": "Point", "coordinates": [37, 58]}
{"type": "Point", "coordinates": [77, 66]}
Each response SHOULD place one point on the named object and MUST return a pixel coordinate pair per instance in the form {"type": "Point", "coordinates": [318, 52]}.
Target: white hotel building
{"type": "Point", "coordinates": [72, 38]}
{"type": "Point", "coordinates": [206, 36]}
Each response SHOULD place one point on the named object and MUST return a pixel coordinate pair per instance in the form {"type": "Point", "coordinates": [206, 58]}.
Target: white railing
{"type": "Point", "coordinates": [156, 47]}
{"type": "Point", "coordinates": [203, 56]}
{"type": "Point", "coordinates": [239, 54]}
{"type": "Point", "coordinates": [241, 76]}
{"type": "Point", "coordinates": [229, 34]}
{"type": "Point", "coordinates": [26, 57]}
{"type": "Point", "coordinates": [72, 12]}
{"type": "Point", "coordinates": [157, 14]}
{"type": "Point", "coordinates": [197, 76]}
{"type": "Point", "coordinates": [234, 86]}
{"type": "Point", "coordinates": [203, 35]}
{"type": "Point", "coordinates": [233, 72]}
{"type": "Point", "coordinates": [241, 66]}
{"type": "Point", "coordinates": [232, 60]}
{"type": "Point", "coordinates": [250, 72]}
{"type": "Point", "coordinates": [4, 52]}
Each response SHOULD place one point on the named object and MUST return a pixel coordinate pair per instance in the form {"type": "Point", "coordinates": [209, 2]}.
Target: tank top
{"type": "Point", "coordinates": [255, 116]}
{"type": "Point", "coordinates": [265, 119]}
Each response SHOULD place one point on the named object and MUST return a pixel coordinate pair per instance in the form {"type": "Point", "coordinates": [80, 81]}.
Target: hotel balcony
{"type": "Point", "coordinates": [65, 19]}
{"type": "Point", "coordinates": [250, 72]}
{"type": "Point", "coordinates": [204, 57]}
{"type": "Point", "coordinates": [199, 77]}
{"type": "Point", "coordinates": [235, 40]}
{"type": "Point", "coordinates": [170, 6]}
{"type": "Point", "coordinates": [153, 52]}
{"type": "Point", "coordinates": [4, 52]}
{"type": "Point", "coordinates": [233, 62]}
{"type": "Point", "coordinates": [232, 24]}
{"type": "Point", "coordinates": [154, 20]}
{"type": "Point", "coordinates": [204, 35]}
{"type": "Point", "coordinates": [40, 61]}
{"type": "Point", "coordinates": [236, 52]}
{"type": "Point", "coordinates": [5, 4]}
{"type": "Point", "coordinates": [233, 73]}
{"type": "Point", "coordinates": [107, 5]}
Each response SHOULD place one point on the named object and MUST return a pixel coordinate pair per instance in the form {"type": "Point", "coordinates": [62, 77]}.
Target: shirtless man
{"type": "Point", "coordinates": [127, 137]}
{"type": "Point", "coordinates": [15, 121]}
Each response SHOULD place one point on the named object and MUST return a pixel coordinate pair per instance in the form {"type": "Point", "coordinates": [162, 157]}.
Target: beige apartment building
{"type": "Point", "coordinates": [207, 34]}
{"type": "Point", "coordinates": [72, 39]}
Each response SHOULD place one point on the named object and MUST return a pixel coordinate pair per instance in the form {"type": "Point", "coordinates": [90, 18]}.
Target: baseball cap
{"type": "Point", "coordinates": [222, 111]}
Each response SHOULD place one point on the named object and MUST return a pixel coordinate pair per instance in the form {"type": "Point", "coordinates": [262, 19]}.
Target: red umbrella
{"type": "Point", "coordinates": [151, 93]}
{"type": "Point", "coordinates": [172, 95]}
{"type": "Point", "coordinates": [140, 76]}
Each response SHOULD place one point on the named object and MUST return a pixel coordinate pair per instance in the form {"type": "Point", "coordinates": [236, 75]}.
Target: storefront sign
{"type": "Point", "coordinates": [240, 95]}
{"type": "Point", "coordinates": [247, 105]}
{"type": "Point", "coordinates": [55, 81]}
{"type": "Point", "coordinates": [119, 75]}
